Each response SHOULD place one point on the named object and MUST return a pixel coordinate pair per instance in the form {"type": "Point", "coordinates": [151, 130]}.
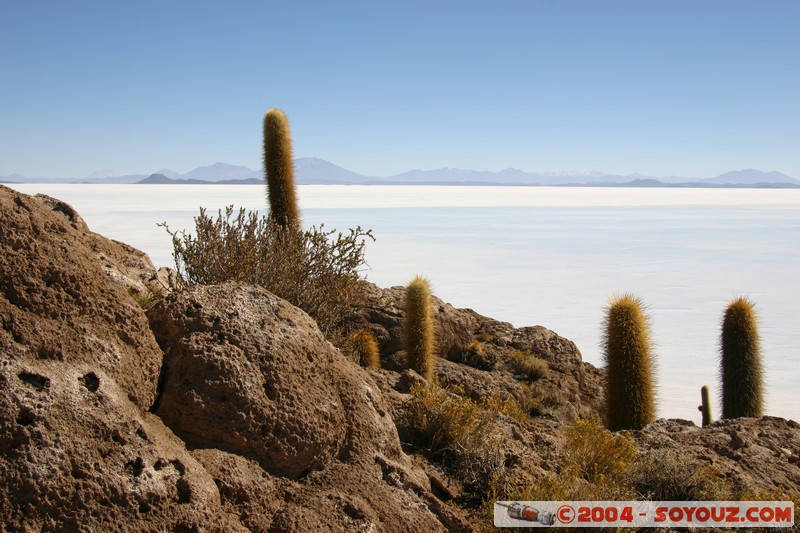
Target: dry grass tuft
{"type": "Point", "coordinates": [530, 366]}
{"type": "Point", "coordinates": [461, 434]}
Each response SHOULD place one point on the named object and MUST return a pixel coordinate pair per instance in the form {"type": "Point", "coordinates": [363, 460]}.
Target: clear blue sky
{"type": "Point", "coordinates": [662, 87]}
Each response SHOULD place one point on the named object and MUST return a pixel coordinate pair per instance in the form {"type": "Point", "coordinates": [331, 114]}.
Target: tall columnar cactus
{"type": "Point", "coordinates": [630, 399]}
{"type": "Point", "coordinates": [705, 406]}
{"type": "Point", "coordinates": [418, 328]}
{"type": "Point", "coordinates": [740, 368]}
{"type": "Point", "coordinates": [279, 170]}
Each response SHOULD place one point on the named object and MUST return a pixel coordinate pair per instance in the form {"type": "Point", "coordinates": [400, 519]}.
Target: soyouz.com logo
{"type": "Point", "coordinates": [644, 514]}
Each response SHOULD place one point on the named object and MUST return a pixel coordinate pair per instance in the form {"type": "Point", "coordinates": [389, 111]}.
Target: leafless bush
{"type": "Point", "coordinates": [317, 270]}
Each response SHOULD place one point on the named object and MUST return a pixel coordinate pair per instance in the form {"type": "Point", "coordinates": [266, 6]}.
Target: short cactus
{"type": "Point", "coordinates": [740, 362]}
{"type": "Point", "coordinates": [418, 328]}
{"type": "Point", "coordinates": [279, 170]}
{"type": "Point", "coordinates": [705, 406]}
{"type": "Point", "coordinates": [365, 347]}
{"type": "Point", "coordinates": [630, 399]}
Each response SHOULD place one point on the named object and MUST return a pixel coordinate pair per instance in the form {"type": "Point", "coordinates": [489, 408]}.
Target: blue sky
{"type": "Point", "coordinates": [680, 87]}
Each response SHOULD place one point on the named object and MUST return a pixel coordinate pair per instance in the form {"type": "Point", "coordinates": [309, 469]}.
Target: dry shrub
{"type": "Point", "coordinates": [598, 455]}
{"type": "Point", "coordinates": [146, 298]}
{"type": "Point", "coordinates": [775, 494]}
{"type": "Point", "coordinates": [476, 356]}
{"type": "Point", "coordinates": [530, 366]}
{"type": "Point", "coordinates": [596, 466]}
{"type": "Point", "coordinates": [460, 433]}
{"type": "Point", "coordinates": [317, 270]}
{"type": "Point", "coordinates": [505, 405]}
{"type": "Point", "coordinates": [666, 475]}
{"type": "Point", "coordinates": [532, 399]}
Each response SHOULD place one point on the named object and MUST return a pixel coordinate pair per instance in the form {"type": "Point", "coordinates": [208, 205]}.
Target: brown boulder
{"type": "Point", "coordinates": [59, 302]}
{"type": "Point", "coordinates": [78, 371]}
{"type": "Point", "coordinates": [77, 455]}
{"type": "Point", "coordinates": [249, 373]}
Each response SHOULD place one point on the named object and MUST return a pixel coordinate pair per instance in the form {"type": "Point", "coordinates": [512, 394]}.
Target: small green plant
{"type": "Point", "coordinates": [705, 406]}
{"type": "Point", "coordinates": [364, 347]}
{"type": "Point", "coordinates": [146, 298]}
{"type": "Point", "coordinates": [279, 170]}
{"type": "Point", "coordinates": [630, 400]}
{"type": "Point", "coordinates": [531, 367]}
{"type": "Point", "coordinates": [740, 363]}
{"type": "Point", "coordinates": [418, 328]}
{"type": "Point", "coordinates": [317, 270]}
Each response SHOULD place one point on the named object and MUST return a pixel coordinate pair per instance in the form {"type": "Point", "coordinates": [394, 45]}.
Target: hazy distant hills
{"type": "Point", "coordinates": [750, 176]}
{"type": "Point", "coordinates": [310, 170]}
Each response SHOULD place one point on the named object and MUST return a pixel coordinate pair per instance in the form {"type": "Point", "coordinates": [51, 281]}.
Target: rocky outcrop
{"type": "Point", "coordinates": [223, 408]}
{"type": "Point", "coordinates": [59, 300]}
{"type": "Point", "coordinates": [258, 423]}
{"type": "Point", "coordinates": [78, 370]}
{"type": "Point", "coordinates": [77, 455]}
{"type": "Point", "coordinates": [571, 389]}
{"type": "Point", "coordinates": [753, 454]}
{"type": "Point", "coordinates": [248, 373]}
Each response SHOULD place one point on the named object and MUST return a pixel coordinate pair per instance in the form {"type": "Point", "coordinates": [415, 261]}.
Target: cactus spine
{"type": "Point", "coordinates": [740, 364]}
{"type": "Point", "coordinates": [418, 328]}
{"type": "Point", "coordinates": [705, 406]}
{"type": "Point", "coordinates": [279, 170]}
{"type": "Point", "coordinates": [630, 400]}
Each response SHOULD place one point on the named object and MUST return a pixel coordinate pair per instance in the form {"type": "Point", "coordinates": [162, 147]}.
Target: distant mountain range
{"type": "Point", "coordinates": [310, 170]}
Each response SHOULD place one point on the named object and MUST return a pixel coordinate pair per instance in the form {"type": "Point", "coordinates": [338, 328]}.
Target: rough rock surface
{"type": "Point", "coordinates": [760, 454]}
{"type": "Point", "coordinates": [78, 371]}
{"type": "Point", "coordinates": [571, 389]}
{"type": "Point", "coordinates": [249, 373]}
{"type": "Point", "coordinates": [59, 300]}
{"type": "Point", "coordinates": [77, 455]}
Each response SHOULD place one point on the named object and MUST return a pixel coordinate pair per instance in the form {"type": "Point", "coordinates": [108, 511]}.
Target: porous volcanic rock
{"type": "Point", "coordinates": [249, 373]}
{"type": "Point", "coordinates": [249, 377]}
{"type": "Point", "coordinates": [759, 454]}
{"type": "Point", "coordinates": [77, 455]}
{"type": "Point", "coordinates": [59, 300]}
{"type": "Point", "coordinates": [78, 372]}
{"type": "Point", "coordinates": [571, 389]}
